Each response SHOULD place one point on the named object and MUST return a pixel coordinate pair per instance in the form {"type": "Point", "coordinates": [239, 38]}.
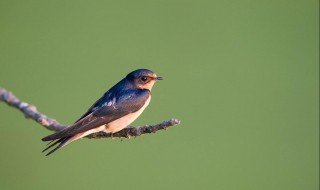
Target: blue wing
{"type": "Point", "coordinates": [105, 110]}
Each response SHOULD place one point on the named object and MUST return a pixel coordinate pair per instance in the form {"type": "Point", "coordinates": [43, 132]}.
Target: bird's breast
{"type": "Point", "coordinates": [124, 121]}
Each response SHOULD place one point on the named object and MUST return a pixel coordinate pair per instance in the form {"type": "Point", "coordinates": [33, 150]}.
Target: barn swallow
{"type": "Point", "coordinates": [115, 110]}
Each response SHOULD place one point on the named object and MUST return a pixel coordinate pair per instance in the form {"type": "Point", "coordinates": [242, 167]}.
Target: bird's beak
{"type": "Point", "coordinates": [159, 78]}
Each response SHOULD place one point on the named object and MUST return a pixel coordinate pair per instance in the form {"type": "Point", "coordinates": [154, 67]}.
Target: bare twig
{"type": "Point", "coordinates": [31, 112]}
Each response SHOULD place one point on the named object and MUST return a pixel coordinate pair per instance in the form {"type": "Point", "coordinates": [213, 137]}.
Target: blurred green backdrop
{"type": "Point", "coordinates": [241, 75]}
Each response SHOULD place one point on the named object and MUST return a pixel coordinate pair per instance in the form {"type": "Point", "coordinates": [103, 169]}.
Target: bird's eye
{"type": "Point", "coordinates": [144, 78]}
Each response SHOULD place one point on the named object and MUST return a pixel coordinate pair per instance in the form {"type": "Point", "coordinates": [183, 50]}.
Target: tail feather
{"type": "Point", "coordinates": [56, 142]}
{"type": "Point", "coordinates": [61, 142]}
{"type": "Point", "coordinates": [52, 137]}
{"type": "Point", "coordinates": [64, 140]}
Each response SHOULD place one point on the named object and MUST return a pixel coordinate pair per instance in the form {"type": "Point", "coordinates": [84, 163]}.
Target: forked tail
{"type": "Point", "coordinates": [60, 143]}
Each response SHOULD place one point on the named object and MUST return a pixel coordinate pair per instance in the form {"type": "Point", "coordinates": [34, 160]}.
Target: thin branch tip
{"type": "Point", "coordinates": [31, 112]}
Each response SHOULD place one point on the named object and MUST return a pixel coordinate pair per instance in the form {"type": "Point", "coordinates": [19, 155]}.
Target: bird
{"type": "Point", "coordinates": [115, 110]}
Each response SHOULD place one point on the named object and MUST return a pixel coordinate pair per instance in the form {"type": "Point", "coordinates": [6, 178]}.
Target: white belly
{"type": "Point", "coordinates": [121, 123]}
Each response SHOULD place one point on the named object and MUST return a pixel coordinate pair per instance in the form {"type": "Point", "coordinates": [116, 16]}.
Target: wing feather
{"type": "Point", "coordinates": [127, 102]}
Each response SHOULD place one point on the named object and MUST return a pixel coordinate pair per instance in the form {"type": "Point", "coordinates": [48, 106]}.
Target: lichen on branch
{"type": "Point", "coordinates": [31, 112]}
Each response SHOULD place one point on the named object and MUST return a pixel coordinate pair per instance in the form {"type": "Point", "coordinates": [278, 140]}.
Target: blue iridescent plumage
{"type": "Point", "coordinates": [126, 97]}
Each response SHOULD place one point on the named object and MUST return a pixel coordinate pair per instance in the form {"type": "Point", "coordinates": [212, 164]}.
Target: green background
{"type": "Point", "coordinates": [242, 76]}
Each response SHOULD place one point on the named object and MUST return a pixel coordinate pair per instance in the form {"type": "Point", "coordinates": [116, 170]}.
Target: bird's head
{"type": "Point", "coordinates": [143, 78]}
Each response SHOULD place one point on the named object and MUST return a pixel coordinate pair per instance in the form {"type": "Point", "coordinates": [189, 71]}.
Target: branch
{"type": "Point", "coordinates": [31, 112]}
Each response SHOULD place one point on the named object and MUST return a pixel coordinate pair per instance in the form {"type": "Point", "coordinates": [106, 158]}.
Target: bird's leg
{"type": "Point", "coordinates": [112, 135]}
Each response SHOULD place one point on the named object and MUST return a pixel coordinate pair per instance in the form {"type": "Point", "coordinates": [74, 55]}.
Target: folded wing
{"type": "Point", "coordinates": [127, 102]}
